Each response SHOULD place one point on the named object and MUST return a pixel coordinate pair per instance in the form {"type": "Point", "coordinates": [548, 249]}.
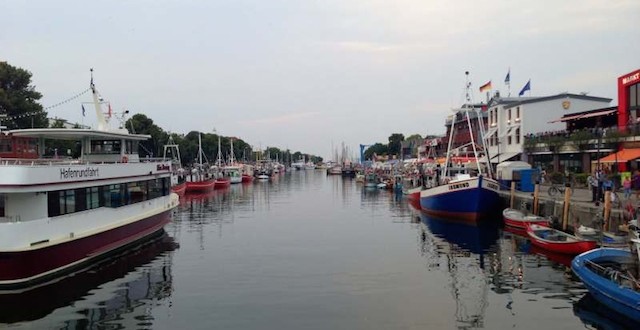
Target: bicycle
{"type": "Point", "coordinates": [556, 189]}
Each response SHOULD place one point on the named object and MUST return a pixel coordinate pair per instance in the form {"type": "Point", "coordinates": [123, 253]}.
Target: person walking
{"type": "Point", "coordinates": [593, 185]}
{"type": "Point", "coordinates": [600, 178]}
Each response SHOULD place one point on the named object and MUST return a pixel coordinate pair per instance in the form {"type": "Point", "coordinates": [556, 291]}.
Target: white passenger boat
{"type": "Point", "coordinates": [58, 215]}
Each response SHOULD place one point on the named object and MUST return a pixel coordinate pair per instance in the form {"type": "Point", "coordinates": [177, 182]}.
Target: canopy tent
{"type": "Point", "coordinates": [621, 156]}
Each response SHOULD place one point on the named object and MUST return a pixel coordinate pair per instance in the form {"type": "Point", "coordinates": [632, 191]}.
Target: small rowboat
{"type": "Point", "coordinates": [517, 219]}
{"type": "Point", "coordinates": [608, 275]}
{"type": "Point", "coordinates": [558, 241]}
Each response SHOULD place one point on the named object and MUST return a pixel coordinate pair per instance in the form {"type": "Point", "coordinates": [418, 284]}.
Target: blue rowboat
{"type": "Point", "coordinates": [604, 272]}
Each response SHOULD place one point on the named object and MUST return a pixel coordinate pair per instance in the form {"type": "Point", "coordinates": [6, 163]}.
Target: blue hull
{"type": "Point", "coordinates": [620, 299]}
{"type": "Point", "coordinates": [467, 205]}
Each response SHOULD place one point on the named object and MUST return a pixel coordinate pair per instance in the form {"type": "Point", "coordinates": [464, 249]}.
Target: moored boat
{"type": "Point", "coordinates": [480, 196]}
{"type": "Point", "coordinates": [61, 215]}
{"type": "Point", "coordinates": [558, 241]}
{"type": "Point", "coordinates": [517, 219]}
{"type": "Point", "coordinates": [611, 276]}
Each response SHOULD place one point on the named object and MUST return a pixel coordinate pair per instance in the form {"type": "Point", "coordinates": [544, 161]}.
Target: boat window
{"type": "Point", "coordinates": [81, 199]}
{"type": "Point", "coordinates": [105, 147]}
{"type": "Point", "coordinates": [5, 145]}
{"type": "Point", "coordinates": [93, 198]}
{"type": "Point", "coordinates": [2, 198]}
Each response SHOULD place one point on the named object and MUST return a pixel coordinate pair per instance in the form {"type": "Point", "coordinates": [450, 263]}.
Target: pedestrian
{"type": "Point", "coordinates": [543, 175]}
{"type": "Point", "coordinates": [626, 185]}
{"type": "Point", "coordinates": [593, 186]}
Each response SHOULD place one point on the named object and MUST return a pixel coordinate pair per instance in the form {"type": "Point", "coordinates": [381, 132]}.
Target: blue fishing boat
{"type": "Point", "coordinates": [466, 192]}
{"type": "Point", "coordinates": [611, 277]}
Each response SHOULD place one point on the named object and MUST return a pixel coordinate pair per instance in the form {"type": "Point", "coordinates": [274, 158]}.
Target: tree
{"type": "Point", "coordinates": [395, 143]}
{"type": "Point", "coordinates": [378, 149]}
{"type": "Point", "coordinates": [141, 124]}
{"type": "Point", "coordinates": [18, 99]}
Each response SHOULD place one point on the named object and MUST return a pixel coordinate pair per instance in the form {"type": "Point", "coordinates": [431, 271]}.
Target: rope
{"type": "Point", "coordinates": [34, 113]}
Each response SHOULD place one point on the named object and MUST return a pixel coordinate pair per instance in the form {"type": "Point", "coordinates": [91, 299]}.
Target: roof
{"type": "Point", "coordinates": [510, 102]}
{"type": "Point", "coordinates": [558, 96]}
{"type": "Point", "coordinates": [76, 134]}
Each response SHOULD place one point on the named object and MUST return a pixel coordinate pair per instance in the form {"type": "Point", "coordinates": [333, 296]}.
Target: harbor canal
{"type": "Point", "coordinates": [310, 251]}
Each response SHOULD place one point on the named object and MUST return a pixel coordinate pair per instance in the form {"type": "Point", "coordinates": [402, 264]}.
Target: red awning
{"type": "Point", "coordinates": [599, 113]}
{"type": "Point", "coordinates": [621, 156]}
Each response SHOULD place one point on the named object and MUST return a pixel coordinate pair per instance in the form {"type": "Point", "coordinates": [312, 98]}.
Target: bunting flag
{"type": "Point", "coordinates": [83, 112]}
{"type": "Point", "coordinates": [526, 87]}
{"type": "Point", "coordinates": [485, 87]}
{"type": "Point", "coordinates": [507, 79]}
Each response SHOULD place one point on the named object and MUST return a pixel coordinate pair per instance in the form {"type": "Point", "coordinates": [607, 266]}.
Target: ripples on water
{"type": "Point", "coordinates": [314, 252]}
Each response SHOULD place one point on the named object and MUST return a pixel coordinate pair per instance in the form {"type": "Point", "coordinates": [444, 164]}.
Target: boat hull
{"type": "Point", "coordinates": [518, 220]}
{"type": "Point", "coordinates": [465, 201]}
{"type": "Point", "coordinates": [29, 267]}
{"type": "Point", "coordinates": [566, 247]}
{"type": "Point", "coordinates": [222, 183]}
{"type": "Point", "coordinates": [200, 186]}
{"type": "Point", "coordinates": [247, 178]}
{"type": "Point", "coordinates": [179, 189]}
{"type": "Point", "coordinates": [623, 300]}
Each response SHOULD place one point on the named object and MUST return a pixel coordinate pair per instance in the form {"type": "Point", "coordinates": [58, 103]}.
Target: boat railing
{"type": "Point", "coordinates": [615, 275]}
{"type": "Point", "coordinates": [67, 161]}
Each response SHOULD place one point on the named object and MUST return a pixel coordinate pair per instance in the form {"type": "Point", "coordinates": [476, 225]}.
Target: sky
{"type": "Point", "coordinates": [310, 75]}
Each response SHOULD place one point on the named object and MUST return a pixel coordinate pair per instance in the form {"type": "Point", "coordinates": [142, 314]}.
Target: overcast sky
{"type": "Point", "coordinates": [305, 74]}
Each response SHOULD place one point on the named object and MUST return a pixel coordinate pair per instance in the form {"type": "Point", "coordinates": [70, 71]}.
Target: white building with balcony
{"type": "Point", "coordinates": [511, 118]}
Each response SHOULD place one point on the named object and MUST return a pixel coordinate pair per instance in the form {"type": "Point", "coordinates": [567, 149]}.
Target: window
{"type": "Point", "coordinates": [634, 96]}
{"type": "Point", "coordinates": [105, 147]}
{"type": "Point", "coordinates": [518, 135]}
{"type": "Point", "coordinates": [517, 113]}
{"type": "Point", "coordinates": [2, 197]}
{"type": "Point", "coordinates": [509, 139]}
{"type": "Point", "coordinates": [509, 116]}
{"type": "Point", "coordinates": [5, 145]}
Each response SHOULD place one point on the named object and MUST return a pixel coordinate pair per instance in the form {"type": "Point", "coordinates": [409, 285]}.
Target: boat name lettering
{"type": "Point", "coordinates": [162, 167]}
{"type": "Point", "coordinates": [458, 185]}
{"type": "Point", "coordinates": [69, 173]}
{"type": "Point", "coordinates": [492, 186]}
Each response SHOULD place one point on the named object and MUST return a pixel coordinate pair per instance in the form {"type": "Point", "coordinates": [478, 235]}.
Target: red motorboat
{"type": "Point", "coordinates": [558, 241]}
{"type": "Point", "coordinates": [246, 178]}
{"type": "Point", "coordinates": [221, 183]}
{"type": "Point", "coordinates": [517, 219]}
{"type": "Point", "coordinates": [200, 186]}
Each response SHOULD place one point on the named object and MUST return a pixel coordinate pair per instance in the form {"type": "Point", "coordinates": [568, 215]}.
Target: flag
{"type": "Point", "coordinates": [526, 87]}
{"type": "Point", "coordinates": [485, 87]}
{"type": "Point", "coordinates": [507, 79]}
{"type": "Point", "coordinates": [83, 112]}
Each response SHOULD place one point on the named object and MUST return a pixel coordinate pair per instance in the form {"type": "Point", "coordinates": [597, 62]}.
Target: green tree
{"type": "Point", "coordinates": [395, 143]}
{"type": "Point", "coordinates": [141, 124]}
{"type": "Point", "coordinates": [378, 149]}
{"type": "Point", "coordinates": [18, 99]}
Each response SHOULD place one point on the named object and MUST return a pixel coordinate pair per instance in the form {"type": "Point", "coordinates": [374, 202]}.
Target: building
{"type": "Point", "coordinates": [463, 137]}
{"type": "Point", "coordinates": [510, 119]}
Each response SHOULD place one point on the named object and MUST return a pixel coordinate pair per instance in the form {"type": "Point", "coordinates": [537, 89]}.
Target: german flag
{"type": "Point", "coordinates": [485, 87]}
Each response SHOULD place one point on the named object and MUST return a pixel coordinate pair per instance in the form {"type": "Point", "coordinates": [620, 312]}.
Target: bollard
{"type": "Point", "coordinates": [513, 194]}
{"type": "Point", "coordinates": [565, 209]}
{"type": "Point", "coordinates": [536, 192]}
{"type": "Point", "coordinates": [607, 209]}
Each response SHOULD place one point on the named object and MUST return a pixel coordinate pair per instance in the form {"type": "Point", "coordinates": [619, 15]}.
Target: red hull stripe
{"type": "Point", "coordinates": [32, 266]}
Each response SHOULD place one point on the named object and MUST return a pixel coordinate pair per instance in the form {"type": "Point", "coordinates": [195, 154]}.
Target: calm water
{"type": "Point", "coordinates": [309, 251]}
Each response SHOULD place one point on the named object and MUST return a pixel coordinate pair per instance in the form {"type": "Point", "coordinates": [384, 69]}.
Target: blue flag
{"type": "Point", "coordinates": [507, 79]}
{"type": "Point", "coordinates": [83, 112]}
{"type": "Point", "coordinates": [526, 87]}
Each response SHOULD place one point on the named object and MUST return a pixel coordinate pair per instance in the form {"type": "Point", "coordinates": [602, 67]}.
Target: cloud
{"type": "Point", "coordinates": [290, 118]}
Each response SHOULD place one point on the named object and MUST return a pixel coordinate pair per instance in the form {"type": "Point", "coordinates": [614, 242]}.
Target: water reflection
{"type": "Point", "coordinates": [109, 293]}
{"type": "Point", "coordinates": [593, 313]}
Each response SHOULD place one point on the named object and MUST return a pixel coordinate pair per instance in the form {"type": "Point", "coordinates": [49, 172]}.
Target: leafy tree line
{"type": "Point", "coordinates": [19, 108]}
{"type": "Point", "coordinates": [393, 147]}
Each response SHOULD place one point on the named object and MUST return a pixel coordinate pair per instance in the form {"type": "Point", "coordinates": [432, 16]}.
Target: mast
{"type": "Point", "coordinates": [219, 160]}
{"type": "Point", "coordinates": [466, 110]}
{"type": "Point", "coordinates": [232, 159]}
{"type": "Point", "coordinates": [200, 149]}
{"type": "Point", "coordinates": [102, 121]}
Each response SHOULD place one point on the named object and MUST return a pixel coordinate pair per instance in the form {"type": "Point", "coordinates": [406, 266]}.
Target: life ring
{"type": "Point", "coordinates": [125, 159]}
